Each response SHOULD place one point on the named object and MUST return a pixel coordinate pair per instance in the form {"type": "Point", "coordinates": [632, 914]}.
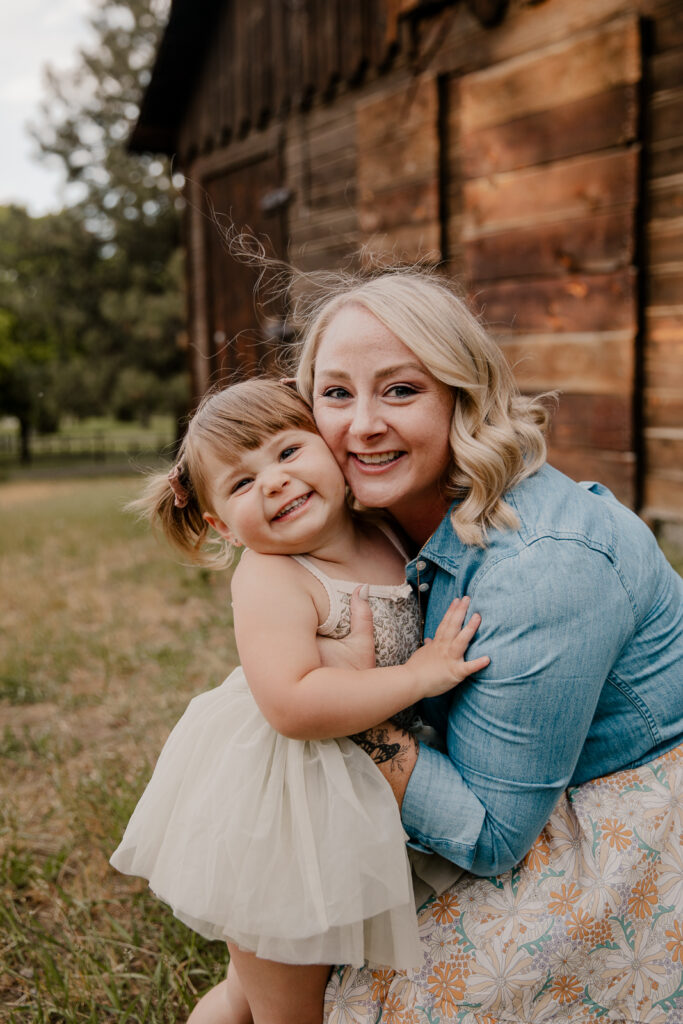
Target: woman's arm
{"type": "Point", "coordinates": [515, 733]}
{"type": "Point", "coordinates": [275, 627]}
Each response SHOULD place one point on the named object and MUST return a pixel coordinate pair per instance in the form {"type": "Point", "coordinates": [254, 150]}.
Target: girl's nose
{"type": "Point", "coordinates": [275, 479]}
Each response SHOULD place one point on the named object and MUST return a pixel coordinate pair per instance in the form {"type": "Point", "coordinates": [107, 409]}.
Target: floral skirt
{"type": "Point", "coordinates": [587, 929]}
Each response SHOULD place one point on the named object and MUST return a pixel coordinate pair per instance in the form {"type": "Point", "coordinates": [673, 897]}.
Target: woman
{"type": "Point", "coordinates": [583, 620]}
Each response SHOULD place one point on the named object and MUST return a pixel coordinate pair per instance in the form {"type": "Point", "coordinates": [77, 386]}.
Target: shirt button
{"type": "Point", "coordinates": [420, 565]}
{"type": "Point", "coordinates": [423, 587]}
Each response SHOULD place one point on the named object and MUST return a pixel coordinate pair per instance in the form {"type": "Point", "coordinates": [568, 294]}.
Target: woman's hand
{"type": "Point", "coordinates": [357, 650]}
{"type": "Point", "coordinates": [440, 664]}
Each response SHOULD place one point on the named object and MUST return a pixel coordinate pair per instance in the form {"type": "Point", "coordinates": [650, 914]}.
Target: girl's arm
{"type": "Point", "coordinates": [276, 621]}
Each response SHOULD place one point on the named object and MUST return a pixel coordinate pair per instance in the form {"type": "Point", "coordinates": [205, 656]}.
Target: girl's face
{"type": "Point", "coordinates": [385, 418]}
{"type": "Point", "coordinates": [286, 497]}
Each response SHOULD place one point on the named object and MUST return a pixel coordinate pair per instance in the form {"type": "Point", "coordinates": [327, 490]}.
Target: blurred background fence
{"type": "Point", "coordinates": [86, 444]}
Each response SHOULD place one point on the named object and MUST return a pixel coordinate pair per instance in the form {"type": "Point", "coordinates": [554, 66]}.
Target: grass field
{"type": "Point", "coordinates": [103, 640]}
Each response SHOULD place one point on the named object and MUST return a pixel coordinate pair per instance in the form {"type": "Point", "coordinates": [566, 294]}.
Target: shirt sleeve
{"type": "Point", "coordinates": [554, 618]}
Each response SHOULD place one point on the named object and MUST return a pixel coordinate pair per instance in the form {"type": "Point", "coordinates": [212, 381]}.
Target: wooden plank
{"type": "Point", "coordinates": [402, 205]}
{"type": "Point", "coordinates": [405, 244]}
{"type": "Point", "coordinates": [664, 326]}
{"type": "Point", "coordinates": [615, 470]}
{"type": "Point", "coordinates": [572, 188]}
{"type": "Point", "coordinates": [666, 197]}
{"type": "Point", "coordinates": [594, 421]}
{"type": "Point", "coordinates": [666, 70]}
{"type": "Point", "coordinates": [666, 158]}
{"type": "Point", "coordinates": [600, 302]}
{"type": "Point", "coordinates": [664, 452]}
{"type": "Point", "coordinates": [664, 365]}
{"type": "Point", "coordinates": [667, 30]}
{"type": "Point", "coordinates": [588, 65]}
{"type": "Point", "coordinates": [665, 116]}
{"type": "Point", "coordinates": [580, 363]}
{"type": "Point", "coordinates": [410, 155]}
{"type": "Point", "coordinates": [666, 285]}
{"type": "Point", "coordinates": [663, 497]}
{"type": "Point", "coordinates": [583, 126]}
{"type": "Point", "coordinates": [663, 407]}
{"type": "Point", "coordinates": [599, 243]}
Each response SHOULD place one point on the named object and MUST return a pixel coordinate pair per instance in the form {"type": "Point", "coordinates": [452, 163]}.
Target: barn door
{"type": "Point", "coordinates": [243, 337]}
{"type": "Point", "coordinates": [550, 156]}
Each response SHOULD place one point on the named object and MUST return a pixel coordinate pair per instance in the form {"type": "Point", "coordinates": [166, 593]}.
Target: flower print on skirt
{"type": "Point", "coordinates": [588, 929]}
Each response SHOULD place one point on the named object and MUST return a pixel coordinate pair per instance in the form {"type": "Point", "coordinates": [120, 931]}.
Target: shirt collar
{"type": "Point", "coordinates": [444, 548]}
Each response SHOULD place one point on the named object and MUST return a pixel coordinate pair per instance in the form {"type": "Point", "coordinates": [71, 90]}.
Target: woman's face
{"type": "Point", "coordinates": [386, 419]}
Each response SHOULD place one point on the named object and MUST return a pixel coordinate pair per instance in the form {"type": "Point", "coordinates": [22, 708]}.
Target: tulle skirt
{"type": "Point", "coordinates": [292, 849]}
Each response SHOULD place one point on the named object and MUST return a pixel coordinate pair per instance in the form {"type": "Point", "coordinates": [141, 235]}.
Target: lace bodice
{"type": "Point", "coordinates": [395, 613]}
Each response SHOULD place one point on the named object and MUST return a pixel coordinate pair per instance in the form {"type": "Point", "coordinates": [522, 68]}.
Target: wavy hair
{"type": "Point", "coordinates": [497, 435]}
{"type": "Point", "coordinates": [227, 423]}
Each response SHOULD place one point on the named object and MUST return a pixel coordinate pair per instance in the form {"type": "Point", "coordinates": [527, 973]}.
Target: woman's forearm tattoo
{"type": "Point", "coordinates": [383, 747]}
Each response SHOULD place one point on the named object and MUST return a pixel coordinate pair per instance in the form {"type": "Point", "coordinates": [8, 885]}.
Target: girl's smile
{"type": "Point", "coordinates": [284, 497]}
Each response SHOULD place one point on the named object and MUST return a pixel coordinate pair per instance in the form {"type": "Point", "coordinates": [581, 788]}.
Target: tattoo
{"type": "Point", "coordinates": [376, 743]}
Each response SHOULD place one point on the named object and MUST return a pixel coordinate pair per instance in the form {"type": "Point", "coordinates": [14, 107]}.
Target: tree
{"type": "Point", "coordinates": [48, 311]}
{"type": "Point", "coordinates": [127, 204]}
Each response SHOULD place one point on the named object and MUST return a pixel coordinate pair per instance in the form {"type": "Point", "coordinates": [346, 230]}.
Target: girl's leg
{"type": "Point", "coordinates": [281, 993]}
{"type": "Point", "coordinates": [225, 1003]}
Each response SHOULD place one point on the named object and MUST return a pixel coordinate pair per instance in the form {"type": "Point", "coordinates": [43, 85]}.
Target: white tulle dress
{"type": "Point", "coordinates": [292, 849]}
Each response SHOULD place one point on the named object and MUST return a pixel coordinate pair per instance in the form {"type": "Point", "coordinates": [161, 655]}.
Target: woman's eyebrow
{"type": "Point", "coordinates": [387, 371]}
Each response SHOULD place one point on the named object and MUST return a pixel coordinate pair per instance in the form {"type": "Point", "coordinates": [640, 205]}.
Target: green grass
{"type": "Point", "coordinates": [103, 640]}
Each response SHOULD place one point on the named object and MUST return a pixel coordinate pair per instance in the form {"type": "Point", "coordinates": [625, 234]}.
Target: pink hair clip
{"type": "Point", "coordinates": [182, 495]}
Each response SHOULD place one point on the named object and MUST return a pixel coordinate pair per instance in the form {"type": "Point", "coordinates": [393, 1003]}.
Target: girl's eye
{"type": "Point", "coordinates": [240, 484]}
{"type": "Point", "coordinates": [286, 453]}
{"type": "Point", "coordinates": [335, 392]}
{"type": "Point", "coordinates": [401, 391]}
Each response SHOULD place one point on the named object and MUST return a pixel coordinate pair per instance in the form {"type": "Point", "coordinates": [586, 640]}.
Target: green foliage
{"type": "Point", "coordinates": [91, 298]}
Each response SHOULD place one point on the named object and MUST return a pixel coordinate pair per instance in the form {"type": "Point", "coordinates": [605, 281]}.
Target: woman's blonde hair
{"type": "Point", "coordinates": [227, 423]}
{"type": "Point", "coordinates": [497, 434]}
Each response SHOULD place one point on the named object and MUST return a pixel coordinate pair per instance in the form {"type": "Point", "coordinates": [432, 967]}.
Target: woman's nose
{"type": "Point", "coordinates": [367, 419]}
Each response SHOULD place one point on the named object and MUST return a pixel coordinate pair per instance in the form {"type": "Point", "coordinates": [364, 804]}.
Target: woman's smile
{"type": "Point", "coordinates": [386, 419]}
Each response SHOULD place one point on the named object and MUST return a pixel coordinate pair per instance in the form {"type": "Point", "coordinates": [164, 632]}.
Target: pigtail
{"type": "Point", "coordinates": [180, 521]}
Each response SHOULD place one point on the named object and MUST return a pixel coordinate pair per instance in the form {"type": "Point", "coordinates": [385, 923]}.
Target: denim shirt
{"type": "Point", "coordinates": [582, 618]}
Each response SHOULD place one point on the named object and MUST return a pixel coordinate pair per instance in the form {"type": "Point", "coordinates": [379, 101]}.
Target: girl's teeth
{"type": "Point", "coordinates": [378, 458]}
{"type": "Point", "coordinates": [294, 504]}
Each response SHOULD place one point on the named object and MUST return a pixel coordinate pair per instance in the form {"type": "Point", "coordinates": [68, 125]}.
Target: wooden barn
{"type": "Point", "coordinates": [532, 148]}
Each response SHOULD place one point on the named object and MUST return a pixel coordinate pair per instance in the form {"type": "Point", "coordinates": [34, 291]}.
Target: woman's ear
{"type": "Point", "coordinates": [222, 528]}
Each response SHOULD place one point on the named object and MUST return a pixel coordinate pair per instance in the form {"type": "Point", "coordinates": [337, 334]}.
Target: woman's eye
{"type": "Point", "coordinates": [400, 391]}
{"type": "Point", "coordinates": [335, 392]}
{"type": "Point", "coordinates": [286, 453]}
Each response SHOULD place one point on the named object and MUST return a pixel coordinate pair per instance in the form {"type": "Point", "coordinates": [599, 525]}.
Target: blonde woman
{"type": "Point", "coordinates": [583, 621]}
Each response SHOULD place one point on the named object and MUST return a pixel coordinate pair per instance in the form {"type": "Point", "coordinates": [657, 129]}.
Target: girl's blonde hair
{"type": "Point", "coordinates": [496, 435]}
{"type": "Point", "coordinates": [227, 423]}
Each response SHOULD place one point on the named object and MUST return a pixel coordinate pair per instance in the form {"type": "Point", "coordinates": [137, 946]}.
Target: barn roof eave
{"type": "Point", "coordinates": [177, 62]}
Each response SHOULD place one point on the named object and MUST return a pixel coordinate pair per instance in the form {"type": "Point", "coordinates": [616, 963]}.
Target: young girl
{"type": "Point", "coordinates": [258, 826]}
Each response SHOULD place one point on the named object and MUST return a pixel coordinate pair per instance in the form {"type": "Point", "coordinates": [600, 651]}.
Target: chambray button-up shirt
{"type": "Point", "coordinates": [582, 618]}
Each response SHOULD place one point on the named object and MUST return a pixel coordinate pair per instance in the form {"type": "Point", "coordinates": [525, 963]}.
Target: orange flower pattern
{"type": "Point", "coordinates": [585, 930]}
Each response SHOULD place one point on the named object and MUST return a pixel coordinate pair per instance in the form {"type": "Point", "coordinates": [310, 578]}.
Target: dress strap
{"type": "Point", "coordinates": [391, 535]}
{"type": "Point", "coordinates": [330, 623]}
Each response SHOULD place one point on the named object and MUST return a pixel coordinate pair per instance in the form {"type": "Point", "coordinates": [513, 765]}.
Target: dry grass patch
{"type": "Point", "coordinates": [103, 641]}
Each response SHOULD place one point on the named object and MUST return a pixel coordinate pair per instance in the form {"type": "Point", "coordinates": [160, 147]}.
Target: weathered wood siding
{"type": "Point", "coordinates": [550, 158]}
{"type": "Point", "coordinates": [539, 161]}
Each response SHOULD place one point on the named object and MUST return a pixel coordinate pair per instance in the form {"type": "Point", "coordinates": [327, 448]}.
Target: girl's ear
{"type": "Point", "coordinates": [222, 528]}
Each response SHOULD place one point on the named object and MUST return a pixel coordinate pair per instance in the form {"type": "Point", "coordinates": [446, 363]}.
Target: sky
{"type": "Point", "coordinates": [33, 33]}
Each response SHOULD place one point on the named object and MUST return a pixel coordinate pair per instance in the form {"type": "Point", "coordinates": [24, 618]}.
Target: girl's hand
{"type": "Point", "coordinates": [357, 650]}
{"type": "Point", "coordinates": [440, 664]}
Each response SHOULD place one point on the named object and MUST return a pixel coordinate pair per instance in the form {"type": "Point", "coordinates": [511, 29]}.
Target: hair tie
{"type": "Point", "coordinates": [182, 495]}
